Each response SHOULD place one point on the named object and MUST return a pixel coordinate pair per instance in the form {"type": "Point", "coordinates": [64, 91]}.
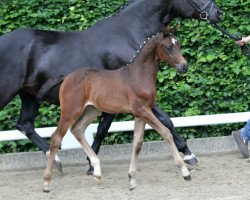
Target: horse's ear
{"type": "Point", "coordinates": [174, 29]}
{"type": "Point", "coordinates": [168, 31]}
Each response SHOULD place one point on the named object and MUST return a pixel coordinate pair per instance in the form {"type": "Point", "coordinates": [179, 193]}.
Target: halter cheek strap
{"type": "Point", "coordinates": [203, 14]}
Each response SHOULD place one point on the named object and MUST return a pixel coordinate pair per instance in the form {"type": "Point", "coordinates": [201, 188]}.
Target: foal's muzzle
{"type": "Point", "coordinates": [182, 68]}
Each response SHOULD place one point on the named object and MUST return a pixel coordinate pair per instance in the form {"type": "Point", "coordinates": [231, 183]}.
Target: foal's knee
{"type": "Point", "coordinates": [55, 141]}
{"type": "Point", "coordinates": [168, 137]}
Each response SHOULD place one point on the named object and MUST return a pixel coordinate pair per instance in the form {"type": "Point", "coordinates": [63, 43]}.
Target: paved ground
{"type": "Point", "coordinates": [218, 176]}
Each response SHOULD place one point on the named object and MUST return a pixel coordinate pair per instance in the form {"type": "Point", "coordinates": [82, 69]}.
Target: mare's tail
{"type": "Point", "coordinates": [49, 85]}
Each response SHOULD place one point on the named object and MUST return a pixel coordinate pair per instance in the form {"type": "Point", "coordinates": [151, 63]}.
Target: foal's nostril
{"type": "Point", "coordinates": [182, 68]}
{"type": "Point", "coordinates": [185, 68]}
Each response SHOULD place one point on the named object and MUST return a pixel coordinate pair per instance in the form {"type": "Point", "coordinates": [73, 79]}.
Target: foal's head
{"type": "Point", "coordinates": [169, 51]}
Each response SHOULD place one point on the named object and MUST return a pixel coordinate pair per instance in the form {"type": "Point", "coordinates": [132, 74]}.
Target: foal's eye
{"type": "Point", "coordinates": [169, 47]}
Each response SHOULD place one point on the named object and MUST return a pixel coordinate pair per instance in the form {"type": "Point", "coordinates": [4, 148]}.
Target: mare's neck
{"type": "Point", "coordinates": [143, 19]}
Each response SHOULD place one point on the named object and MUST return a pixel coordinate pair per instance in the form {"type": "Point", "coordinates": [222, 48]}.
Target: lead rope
{"type": "Point", "coordinates": [245, 48]}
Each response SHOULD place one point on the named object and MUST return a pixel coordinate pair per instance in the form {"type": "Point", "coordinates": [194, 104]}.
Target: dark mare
{"type": "Point", "coordinates": [87, 92]}
{"type": "Point", "coordinates": [31, 58]}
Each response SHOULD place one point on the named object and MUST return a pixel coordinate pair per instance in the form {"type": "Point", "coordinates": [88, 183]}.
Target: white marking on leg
{"type": "Point", "coordinates": [97, 168]}
{"type": "Point", "coordinates": [132, 183]}
{"type": "Point", "coordinates": [57, 158]}
{"type": "Point", "coordinates": [47, 153]}
{"type": "Point", "coordinates": [188, 157]}
{"type": "Point", "coordinates": [90, 113]}
{"type": "Point", "coordinates": [185, 172]}
{"type": "Point", "coordinates": [46, 187]}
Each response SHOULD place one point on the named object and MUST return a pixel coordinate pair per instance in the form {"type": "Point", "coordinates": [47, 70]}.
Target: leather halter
{"type": "Point", "coordinates": [203, 14]}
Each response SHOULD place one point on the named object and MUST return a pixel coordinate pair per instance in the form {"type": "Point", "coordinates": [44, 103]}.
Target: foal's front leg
{"type": "Point", "coordinates": [102, 130]}
{"type": "Point", "coordinates": [137, 145]}
{"type": "Point", "coordinates": [164, 118]}
{"type": "Point", "coordinates": [150, 119]}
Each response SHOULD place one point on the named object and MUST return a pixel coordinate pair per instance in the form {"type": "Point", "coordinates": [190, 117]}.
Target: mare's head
{"type": "Point", "coordinates": [200, 9]}
{"type": "Point", "coordinates": [169, 51]}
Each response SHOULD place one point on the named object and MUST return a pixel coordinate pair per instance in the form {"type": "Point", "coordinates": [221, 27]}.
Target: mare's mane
{"type": "Point", "coordinates": [129, 2]}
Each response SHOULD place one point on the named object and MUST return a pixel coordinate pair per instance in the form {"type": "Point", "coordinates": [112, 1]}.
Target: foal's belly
{"type": "Point", "coordinates": [110, 108]}
{"type": "Point", "coordinates": [112, 103]}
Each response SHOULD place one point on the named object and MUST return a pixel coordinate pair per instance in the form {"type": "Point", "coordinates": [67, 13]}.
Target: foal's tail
{"type": "Point", "coordinates": [49, 85]}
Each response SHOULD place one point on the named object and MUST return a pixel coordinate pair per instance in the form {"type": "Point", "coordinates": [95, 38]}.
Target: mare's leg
{"type": "Point", "coordinates": [25, 124]}
{"type": "Point", "coordinates": [181, 145]}
{"type": "Point", "coordinates": [102, 130]}
{"type": "Point", "coordinates": [150, 119]}
{"type": "Point", "coordinates": [78, 129]}
{"type": "Point", "coordinates": [137, 145]}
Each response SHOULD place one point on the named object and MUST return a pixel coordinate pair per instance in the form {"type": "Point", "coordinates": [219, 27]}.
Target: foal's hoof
{"type": "Point", "coordinates": [58, 166]}
{"type": "Point", "coordinates": [190, 160]}
{"type": "Point", "coordinates": [90, 170]}
{"type": "Point", "coordinates": [187, 178]}
{"type": "Point", "coordinates": [46, 191]}
{"type": "Point", "coordinates": [97, 178]}
{"type": "Point", "coordinates": [132, 184]}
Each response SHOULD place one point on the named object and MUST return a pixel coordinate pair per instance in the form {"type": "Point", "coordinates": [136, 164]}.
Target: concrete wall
{"type": "Point", "coordinates": [115, 152]}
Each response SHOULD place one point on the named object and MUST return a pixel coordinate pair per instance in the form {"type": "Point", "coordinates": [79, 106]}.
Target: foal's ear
{"type": "Point", "coordinates": [168, 31]}
{"type": "Point", "coordinates": [174, 29]}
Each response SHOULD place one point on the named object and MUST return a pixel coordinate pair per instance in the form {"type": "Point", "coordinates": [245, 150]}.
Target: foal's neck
{"type": "Point", "coordinates": [148, 53]}
{"type": "Point", "coordinates": [146, 61]}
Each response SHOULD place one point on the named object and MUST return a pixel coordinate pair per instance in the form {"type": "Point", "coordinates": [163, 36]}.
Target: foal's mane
{"type": "Point", "coordinates": [150, 44]}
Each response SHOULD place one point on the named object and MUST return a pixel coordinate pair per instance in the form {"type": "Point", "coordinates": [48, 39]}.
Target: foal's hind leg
{"type": "Point", "coordinates": [102, 130]}
{"type": "Point", "coordinates": [149, 118]}
{"type": "Point", "coordinates": [89, 115]}
{"type": "Point", "coordinates": [70, 112]}
{"type": "Point", "coordinates": [137, 145]}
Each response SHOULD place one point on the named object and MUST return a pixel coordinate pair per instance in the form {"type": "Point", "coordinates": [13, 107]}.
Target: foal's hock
{"type": "Point", "coordinates": [85, 93]}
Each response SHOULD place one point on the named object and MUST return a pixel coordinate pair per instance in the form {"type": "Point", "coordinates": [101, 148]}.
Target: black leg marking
{"type": "Point", "coordinates": [25, 124]}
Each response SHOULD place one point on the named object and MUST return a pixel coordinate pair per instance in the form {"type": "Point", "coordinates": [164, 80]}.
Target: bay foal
{"type": "Point", "coordinates": [85, 93]}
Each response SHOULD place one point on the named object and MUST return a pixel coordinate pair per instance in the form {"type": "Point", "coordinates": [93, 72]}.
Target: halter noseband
{"type": "Point", "coordinates": [203, 14]}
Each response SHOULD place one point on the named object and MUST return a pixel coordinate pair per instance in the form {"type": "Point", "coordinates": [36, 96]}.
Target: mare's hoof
{"type": "Point", "coordinates": [90, 170]}
{"type": "Point", "coordinates": [192, 161]}
{"type": "Point", "coordinates": [187, 178]}
{"type": "Point", "coordinates": [58, 166]}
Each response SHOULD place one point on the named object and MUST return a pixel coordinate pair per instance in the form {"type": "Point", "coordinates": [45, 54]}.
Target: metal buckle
{"type": "Point", "coordinates": [204, 15]}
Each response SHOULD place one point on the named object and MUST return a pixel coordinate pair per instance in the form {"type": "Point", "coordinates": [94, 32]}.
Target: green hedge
{"type": "Point", "coordinates": [218, 80]}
